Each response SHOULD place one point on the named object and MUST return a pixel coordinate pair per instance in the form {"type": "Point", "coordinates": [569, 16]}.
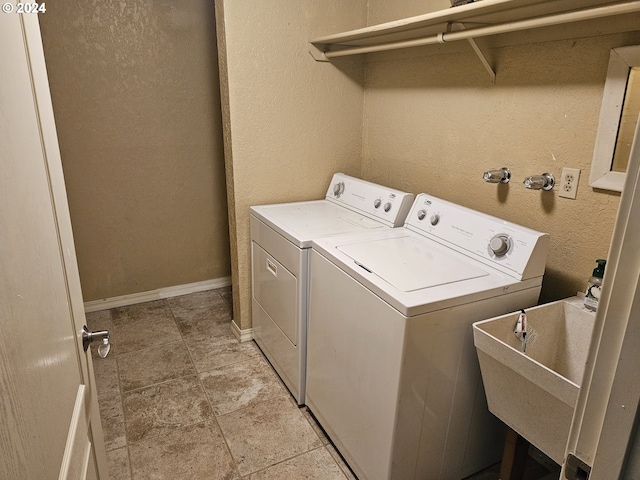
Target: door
{"type": "Point", "coordinates": [49, 421]}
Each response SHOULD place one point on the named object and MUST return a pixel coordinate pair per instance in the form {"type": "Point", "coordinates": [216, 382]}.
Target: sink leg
{"type": "Point", "coordinates": [514, 458]}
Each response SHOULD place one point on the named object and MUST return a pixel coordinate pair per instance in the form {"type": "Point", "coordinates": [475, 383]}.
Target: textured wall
{"type": "Point", "coordinates": [135, 94]}
{"type": "Point", "coordinates": [290, 122]}
{"type": "Point", "coordinates": [433, 123]}
{"type": "Point", "coordinates": [142, 149]}
{"type": "Point", "coordinates": [380, 11]}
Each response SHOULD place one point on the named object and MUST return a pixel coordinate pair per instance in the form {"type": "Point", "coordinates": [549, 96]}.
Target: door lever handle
{"type": "Point", "coordinates": [101, 336]}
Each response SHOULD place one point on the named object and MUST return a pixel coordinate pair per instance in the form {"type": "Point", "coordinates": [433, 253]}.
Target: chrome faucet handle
{"type": "Point", "coordinates": [503, 175]}
{"type": "Point", "coordinates": [540, 182]}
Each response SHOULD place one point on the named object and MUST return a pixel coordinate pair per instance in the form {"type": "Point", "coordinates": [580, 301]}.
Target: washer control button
{"type": "Point", "coordinates": [435, 218]}
{"type": "Point", "coordinates": [499, 244]}
{"type": "Point", "coordinates": [422, 214]}
{"type": "Point", "coordinates": [338, 189]}
{"type": "Point", "coordinates": [387, 207]}
{"type": "Point", "coordinates": [377, 203]}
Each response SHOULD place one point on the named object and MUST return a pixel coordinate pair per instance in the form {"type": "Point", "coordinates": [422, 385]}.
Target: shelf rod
{"type": "Point", "coordinates": [557, 19]}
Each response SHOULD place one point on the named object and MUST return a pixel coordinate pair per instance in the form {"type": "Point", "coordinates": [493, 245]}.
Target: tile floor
{"type": "Point", "coordinates": [180, 398]}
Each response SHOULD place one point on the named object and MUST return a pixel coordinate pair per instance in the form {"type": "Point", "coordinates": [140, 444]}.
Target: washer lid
{"type": "Point", "coordinates": [409, 264]}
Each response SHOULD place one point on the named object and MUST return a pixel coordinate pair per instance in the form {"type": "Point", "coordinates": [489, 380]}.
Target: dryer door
{"type": "Point", "coordinates": [275, 289]}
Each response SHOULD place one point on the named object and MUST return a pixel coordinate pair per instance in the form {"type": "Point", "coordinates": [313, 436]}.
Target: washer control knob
{"type": "Point", "coordinates": [338, 189]}
{"type": "Point", "coordinates": [387, 207]}
{"type": "Point", "coordinates": [435, 218]}
{"type": "Point", "coordinates": [377, 203]}
{"type": "Point", "coordinates": [422, 214]}
{"type": "Point", "coordinates": [499, 245]}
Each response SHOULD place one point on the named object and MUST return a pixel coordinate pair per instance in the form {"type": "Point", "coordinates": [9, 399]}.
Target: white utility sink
{"type": "Point", "coordinates": [535, 392]}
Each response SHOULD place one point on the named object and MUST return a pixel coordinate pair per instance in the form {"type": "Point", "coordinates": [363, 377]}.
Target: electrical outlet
{"type": "Point", "coordinates": [569, 182]}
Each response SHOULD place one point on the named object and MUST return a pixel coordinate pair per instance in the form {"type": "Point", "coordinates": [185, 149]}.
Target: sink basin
{"type": "Point", "coordinates": [535, 392]}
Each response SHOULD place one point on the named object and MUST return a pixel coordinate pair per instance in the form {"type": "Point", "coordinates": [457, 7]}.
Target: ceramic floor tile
{"type": "Point", "coordinates": [314, 424]}
{"type": "Point", "coordinates": [209, 352]}
{"type": "Point", "coordinates": [202, 322]}
{"type": "Point", "coordinates": [195, 452]}
{"type": "Point", "coordinates": [340, 462]}
{"type": "Point", "coordinates": [158, 409]}
{"type": "Point", "coordinates": [228, 297]}
{"type": "Point", "coordinates": [112, 422]}
{"type": "Point", "coordinates": [105, 371]}
{"type": "Point", "coordinates": [241, 384]}
{"type": "Point", "coordinates": [118, 464]}
{"type": "Point", "coordinates": [170, 424]}
{"type": "Point", "coordinates": [317, 464]}
{"type": "Point", "coordinates": [154, 365]}
{"type": "Point", "coordinates": [267, 433]}
{"type": "Point", "coordinates": [198, 301]}
{"type": "Point", "coordinates": [100, 320]}
{"type": "Point", "coordinates": [225, 290]}
{"type": "Point", "coordinates": [144, 325]}
{"type": "Point", "coordinates": [201, 319]}
{"type": "Point", "coordinates": [204, 327]}
{"type": "Point", "coordinates": [138, 310]}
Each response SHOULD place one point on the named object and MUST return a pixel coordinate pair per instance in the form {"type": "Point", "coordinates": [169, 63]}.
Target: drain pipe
{"type": "Point", "coordinates": [557, 19]}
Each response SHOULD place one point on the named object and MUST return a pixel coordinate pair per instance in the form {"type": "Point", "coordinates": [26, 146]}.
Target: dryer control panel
{"type": "Point", "coordinates": [513, 249]}
{"type": "Point", "coordinates": [375, 201]}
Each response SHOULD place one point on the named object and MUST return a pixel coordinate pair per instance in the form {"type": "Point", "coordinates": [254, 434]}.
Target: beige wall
{"type": "Point", "coordinates": [431, 121]}
{"type": "Point", "coordinates": [135, 94]}
{"type": "Point", "coordinates": [434, 123]}
{"type": "Point", "coordinates": [380, 11]}
{"type": "Point", "coordinates": [142, 149]}
{"type": "Point", "coordinates": [290, 122]}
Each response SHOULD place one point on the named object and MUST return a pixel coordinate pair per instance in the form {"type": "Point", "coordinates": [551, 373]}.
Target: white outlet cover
{"type": "Point", "coordinates": [568, 185]}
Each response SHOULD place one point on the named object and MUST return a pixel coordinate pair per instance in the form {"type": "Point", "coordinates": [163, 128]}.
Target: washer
{"type": "Point", "coordinates": [392, 374]}
{"type": "Point", "coordinates": [281, 237]}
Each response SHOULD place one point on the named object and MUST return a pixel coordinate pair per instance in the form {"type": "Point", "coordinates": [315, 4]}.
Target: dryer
{"type": "Point", "coordinates": [281, 237]}
{"type": "Point", "coordinates": [392, 374]}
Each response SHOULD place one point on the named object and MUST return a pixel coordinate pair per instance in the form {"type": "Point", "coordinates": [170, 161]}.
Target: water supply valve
{"type": "Point", "coordinates": [540, 182]}
{"type": "Point", "coordinates": [502, 175]}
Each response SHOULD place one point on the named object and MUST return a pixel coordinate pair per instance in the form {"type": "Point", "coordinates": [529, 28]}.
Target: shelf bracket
{"type": "Point", "coordinates": [317, 54]}
{"type": "Point", "coordinates": [483, 59]}
{"type": "Point", "coordinates": [476, 48]}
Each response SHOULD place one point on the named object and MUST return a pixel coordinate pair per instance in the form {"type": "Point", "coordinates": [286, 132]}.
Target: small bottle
{"type": "Point", "coordinates": [594, 287]}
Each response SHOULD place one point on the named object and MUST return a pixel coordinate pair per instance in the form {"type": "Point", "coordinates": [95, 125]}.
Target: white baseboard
{"type": "Point", "coordinates": [241, 335]}
{"type": "Point", "coordinates": [160, 293]}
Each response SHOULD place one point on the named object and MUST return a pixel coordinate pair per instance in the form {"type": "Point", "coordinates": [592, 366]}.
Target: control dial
{"type": "Point", "coordinates": [387, 207]}
{"type": "Point", "coordinates": [338, 189]}
{"type": "Point", "coordinates": [377, 203]}
{"type": "Point", "coordinates": [435, 218]}
{"type": "Point", "coordinates": [499, 244]}
{"type": "Point", "coordinates": [422, 214]}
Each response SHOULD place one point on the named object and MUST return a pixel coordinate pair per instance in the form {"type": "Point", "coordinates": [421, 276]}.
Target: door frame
{"type": "Point", "coordinates": [604, 424]}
